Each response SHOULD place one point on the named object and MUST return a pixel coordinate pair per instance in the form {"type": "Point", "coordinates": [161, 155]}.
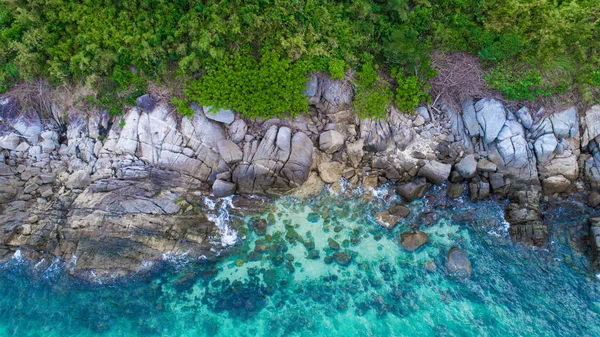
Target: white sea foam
{"type": "Point", "coordinates": [221, 218]}
{"type": "Point", "coordinates": [176, 259]}
{"type": "Point", "coordinates": [210, 203]}
{"type": "Point", "coordinates": [39, 264]}
{"type": "Point", "coordinates": [53, 270]}
{"type": "Point", "coordinates": [18, 257]}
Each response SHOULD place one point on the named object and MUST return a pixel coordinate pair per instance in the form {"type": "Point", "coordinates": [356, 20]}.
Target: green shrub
{"type": "Point", "coordinates": [527, 84]}
{"type": "Point", "coordinates": [266, 88]}
{"type": "Point", "coordinates": [373, 94]}
{"type": "Point", "coordinates": [410, 91]}
{"type": "Point", "coordinates": [337, 69]}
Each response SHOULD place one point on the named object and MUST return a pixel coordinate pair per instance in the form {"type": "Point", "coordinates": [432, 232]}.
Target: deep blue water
{"type": "Point", "coordinates": [384, 291]}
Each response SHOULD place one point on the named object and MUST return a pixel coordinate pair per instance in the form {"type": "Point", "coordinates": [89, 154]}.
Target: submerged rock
{"type": "Point", "coordinates": [260, 226]}
{"type": "Point", "coordinates": [333, 244]}
{"type": "Point", "coordinates": [457, 263]}
{"type": "Point", "coordinates": [390, 217]}
{"type": "Point", "coordinates": [412, 240]}
{"type": "Point", "coordinates": [342, 258]}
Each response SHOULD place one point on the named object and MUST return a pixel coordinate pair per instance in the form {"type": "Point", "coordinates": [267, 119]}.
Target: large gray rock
{"type": "Point", "coordinates": [237, 130]}
{"type": "Point", "coordinates": [592, 125]}
{"type": "Point", "coordinates": [229, 151]}
{"type": "Point", "coordinates": [10, 141]}
{"type": "Point", "coordinates": [556, 184]}
{"type": "Point", "coordinates": [435, 171]}
{"type": "Point", "coordinates": [491, 116]}
{"type": "Point", "coordinates": [457, 263]}
{"type": "Point", "coordinates": [565, 123]}
{"type": "Point", "coordinates": [470, 118]}
{"type": "Point", "coordinates": [79, 179]}
{"type": "Point", "coordinates": [331, 141]}
{"type": "Point", "coordinates": [413, 190]}
{"type": "Point", "coordinates": [274, 165]}
{"type": "Point", "coordinates": [524, 116]}
{"type": "Point", "coordinates": [146, 102]}
{"type": "Point", "coordinates": [544, 147]}
{"type": "Point", "coordinates": [298, 166]}
{"type": "Point", "coordinates": [455, 190]}
{"type": "Point", "coordinates": [223, 188]}
{"type": "Point", "coordinates": [219, 115]}
{"type": "Point", "coordinates": [467, 167]}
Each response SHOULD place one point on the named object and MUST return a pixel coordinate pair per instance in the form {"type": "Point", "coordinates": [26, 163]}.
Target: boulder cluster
{"type": "Point", "coordinates": [90, 184]}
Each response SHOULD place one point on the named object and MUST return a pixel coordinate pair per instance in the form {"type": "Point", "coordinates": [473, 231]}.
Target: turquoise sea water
{"type": "Point", "coordinates": [275, 285]}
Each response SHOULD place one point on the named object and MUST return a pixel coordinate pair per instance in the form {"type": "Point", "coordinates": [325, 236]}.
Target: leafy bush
{"type": "Point", "coordinates": [373, 94]}
{"type": "Point", "coordinates": [527, 84]}
{"type": "Point", "coordinates": [410, 91]}
{"type": "Point", "coordinates": [265, 88]}
{"type": "Point", "coordinates": [337, 69]}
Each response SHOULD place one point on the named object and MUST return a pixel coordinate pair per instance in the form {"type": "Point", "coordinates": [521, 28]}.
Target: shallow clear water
{"type": "Point", "coordinates": [384, 291]}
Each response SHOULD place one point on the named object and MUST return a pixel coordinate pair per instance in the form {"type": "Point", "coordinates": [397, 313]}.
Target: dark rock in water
{"type": "Point", "coordinates": [430, 266]}
{"type": "Point", "coordinates": [313, 255]}
{"type": "Point", "coordinates": [594, 199]}
{"type": "Point", "coordinates": [292, 236]}
{"type": "Point", "coordinates": [413, 190]}
{"type": "Point", "coordinates": [342, 258]}
{"type": "Point", "coordinates": [337, 228]}
{"type": "Point", "coordinates": [260, 246]}
{"type": "Point", "coordinates": [260, 226]}
{"type": "Point", "coordinates": [333, 244]}
{"type": "Point", "coordinates": [310, 245]}
{"type": "Point", "coordinates": [244, 204]}
{"type": "Point", "coordinates": [412, 240]}
{"type": "Point", "coordinates": [270, 277]}
{"type": "Point", "coordinates": [455, 190]}
{"type": "Point", "coordinates": [429, 218]}
{"type": "Point", "coordinates": [313, 217]}
{"type": "Point", "coordinates": [390, 217]}
{"type": "Point", "coordinates": [277, 259]}
{"type": "Point", "coordinates": [594, 238]}
{"type": "Point", "coordinates": [457, 263]}
{"type": "Point", "coordinates": [254, 256]}
{"type": "Point", "coordinates": [146, 102]}
{"type": "Point", "coordinates": [289, 257]}
{"type": "Point", "coordinates": [289, 266]}
{"type": "Point", "coordinates": [328, 259]}
{"type": "Point", "coordinates": [185, 281]}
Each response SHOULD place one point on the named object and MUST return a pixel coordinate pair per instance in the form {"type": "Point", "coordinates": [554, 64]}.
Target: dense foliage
{"type": "Point", "coordinates": [531, 47]}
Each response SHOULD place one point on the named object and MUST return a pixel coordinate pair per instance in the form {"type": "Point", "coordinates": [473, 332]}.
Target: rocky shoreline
{"type": "Point", "coordinates": [111, 196]}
